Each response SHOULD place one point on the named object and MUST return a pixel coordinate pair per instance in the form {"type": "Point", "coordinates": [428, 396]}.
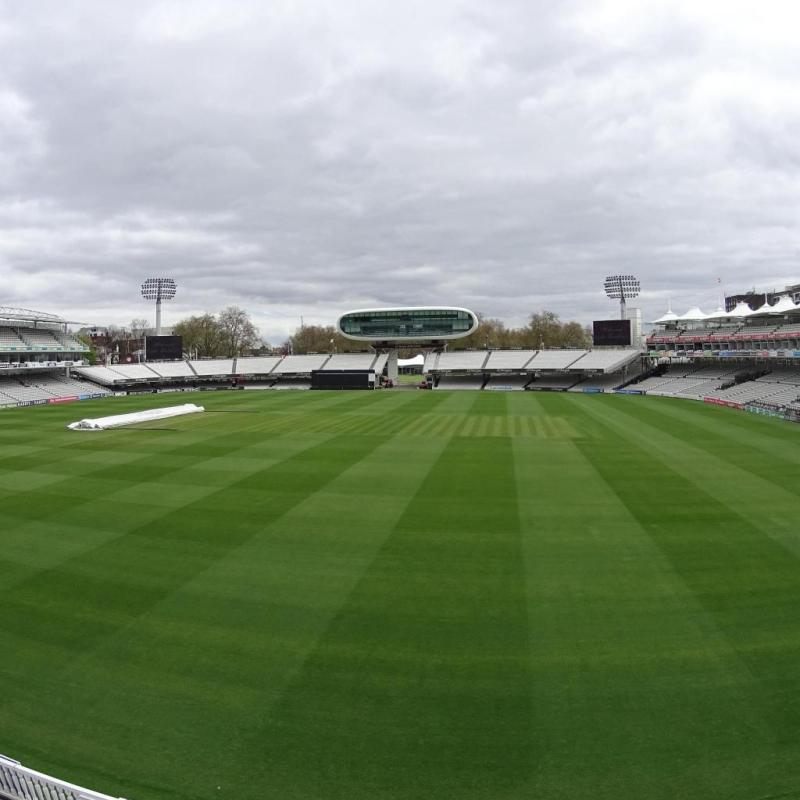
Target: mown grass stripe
{"type": "Point", "coordinates": [389, 699]}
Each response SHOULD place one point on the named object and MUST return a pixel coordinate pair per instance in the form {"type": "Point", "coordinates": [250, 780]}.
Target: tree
{"type": "Point", "coordinates": [322, 339]}
{"type": "Point", "coordinates": [237, 331]}
{"type": "Point", "coordinates": [491, 334]}
{"type": "Point", "coordinates": [83, 337]}
{"type": "Point", "coordinates": [201, 335]}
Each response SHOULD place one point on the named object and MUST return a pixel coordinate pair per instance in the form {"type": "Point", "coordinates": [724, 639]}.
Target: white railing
{"type": "Point", "coordinates": [20, 783]}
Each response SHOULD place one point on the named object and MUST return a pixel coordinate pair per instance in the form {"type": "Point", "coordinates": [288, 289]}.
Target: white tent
{"type": "Point", "coordinates": [415, 361]}
{"type": "Point", "coordinates": [718, 313]}
{"type": "Point", "coordinates": [669, 316]}
{"type": "Point", "coordinates": [694, 314]}
{"type": "Point", "coordinates": [784, 305]}
{"type": "Point", "coordinates": [741, 311]}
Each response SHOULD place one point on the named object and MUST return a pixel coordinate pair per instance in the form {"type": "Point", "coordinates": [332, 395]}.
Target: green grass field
{"type": "Point", "coordinates": [403, 595]}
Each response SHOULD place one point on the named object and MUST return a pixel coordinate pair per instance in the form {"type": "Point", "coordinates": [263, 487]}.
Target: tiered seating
{"type": "Point", "coordinates": [756, 330]}
{"type": "Point", "coordinates": [508, 382]}
{"type": "Point", "coordinates": [102, 375]}
{"type": "Point", "coordinates": [779, 387]}
{"type": "Point", "coordinates": [460, 382]}
{"type": "Point", "coordinates": [70, 342]}
{"type": "Point", "coordinates": [555, 359]}
{"type": "Point", "coordinates": [790, 375]}
{"type": "Point", "coordinates": [464, 359]}
{"type": "Point", "coordinates": [380, 363]}
{"type": "Point", "coordinates": [64, 386]}
{"type": "Point", "coordinates": [604, 382]}
{"type": "Point", "coordinates": [709, 330]}
{"type": "Point", "coordinates": [9, 340]}
{"type": "Point", "coordinates": [431, 360]}
{"type": "Point", "coordinates": [687, 381]}
{"type": "Point", "coordinates": [18, 391]}
{"type": "Point", "coordinates": [257, 365]}
{"type": "Point", "coordinates": [605, 360]}
{"type": "Point", "coordinates": [136, 372]}
{"type": "Point", "coordinates": [554, 382]}
{"type": "Point", "coordinates": [171, 369]}
{"type": "Point", "coordinates": [509, 359]}
{"type": "Point", "coordinates": [350, 361]}
{"type": "Point", "coordinates": [212, 366]}
{"type": "Point", "coordinates": [40, 339]}
{"type": "Point", "coordinates": [300, 364]}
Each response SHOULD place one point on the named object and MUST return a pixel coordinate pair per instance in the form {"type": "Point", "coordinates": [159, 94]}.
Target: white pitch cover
{"type": "Point", "coordinates": [117, 421]}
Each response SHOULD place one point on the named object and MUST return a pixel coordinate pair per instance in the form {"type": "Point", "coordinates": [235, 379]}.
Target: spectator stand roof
{"type": "Point", "coordinates": [10, 314]}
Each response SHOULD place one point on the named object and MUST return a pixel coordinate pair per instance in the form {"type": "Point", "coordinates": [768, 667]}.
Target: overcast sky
{"type": "Point", "coordinates": [304, 158]}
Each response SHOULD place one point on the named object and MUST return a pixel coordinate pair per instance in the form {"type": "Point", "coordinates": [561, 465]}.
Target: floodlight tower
{"type": "Point", "coordinates": [159, 289]}
{"type": "Point", "coordinates": [622, 288]}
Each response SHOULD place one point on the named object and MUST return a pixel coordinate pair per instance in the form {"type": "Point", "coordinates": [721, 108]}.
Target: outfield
{"type": "Point", "coordinates": [403, 595]}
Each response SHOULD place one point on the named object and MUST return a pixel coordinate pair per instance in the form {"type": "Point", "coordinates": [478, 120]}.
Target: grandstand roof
{"type": "Point", "coordinates": [784, 305]}
{"type": "Point", "coordinates": [693, 314]}
{"type": "Point", "coordinates": [12, 314]}
{"type": "Point", "coordinates": [669, 316]}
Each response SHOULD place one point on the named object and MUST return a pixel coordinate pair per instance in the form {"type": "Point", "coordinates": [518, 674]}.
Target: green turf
{"type": "Point", "coordinates": [404, 595]}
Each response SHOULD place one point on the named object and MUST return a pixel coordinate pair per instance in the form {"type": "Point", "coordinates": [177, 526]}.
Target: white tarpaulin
{"type": "Point", "coordinates": [103, 423]}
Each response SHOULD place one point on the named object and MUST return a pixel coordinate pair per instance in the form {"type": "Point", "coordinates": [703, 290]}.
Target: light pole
{"type": "Point", "coordinates": [622, 288]}
{"type": "Point", "coordinates": [159, 289]}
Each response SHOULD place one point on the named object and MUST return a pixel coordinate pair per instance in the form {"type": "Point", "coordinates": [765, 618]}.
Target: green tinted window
{"type": "Point", "coordinates": [431, 323]}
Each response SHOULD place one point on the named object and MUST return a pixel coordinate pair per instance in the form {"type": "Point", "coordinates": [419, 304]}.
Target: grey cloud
{"type": "Point", "coordinates": [299, 159]}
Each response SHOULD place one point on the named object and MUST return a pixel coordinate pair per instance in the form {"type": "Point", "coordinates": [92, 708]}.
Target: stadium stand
{"type": "Point", "coordinates": [554, 382]}
{"type": "Point", "coordinates": [212, 367]}
{"type": "Point", "coordinates": [300, 365]}
{"type": "Point", "coordinates": [14, 391]}
{"type": "Point", "coordinates": [292, 371]}
{"type": "Point", "coordinates": [779, 387]}
{"type": "Point", "coordinates": [102, 375]}
{"type": "Point", "coordinates": [172, 369]}
{"type": "Point", "coordinates": [602, 382]}
{"type": "Point", "coordinates": [509, 359]}
{"type": "Point", "coordinates": [509, 383]}
{"type": "Point", "coordinates": [256, 365]}
{"type": "Point", "coordinates": [42, 388]}
{"type": "Point", "coordinates": [459, 382]}
{"type": "Point", "coordinates": [361, 361]}
{"type": "Point", "coordinates": [602, 360]}
{"type": "Point", "coordinates": [135, 372]}
{"type": "Point", "coordinates": [380, 363]}
{"type": "Point", "coordinates": [687, 380]}
{"type": "Point", "coordinates": [10, 340]}
{"type": "Point", "coordinates": [70, 342]}
{"type": "Point", "coordinates": [39, 339]}
{"type": "Point", "coordinates": [461, 360]}
{"type": "Point", "coordinates": [35, 352]}
{"type": "Point", "coordinates": [431, 360]}
{"type": "Point", "coordinates": [62, 385]}
{"type": "Point", "coordinates": [558, 359]}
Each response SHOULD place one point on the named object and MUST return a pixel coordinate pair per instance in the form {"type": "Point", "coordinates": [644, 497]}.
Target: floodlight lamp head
{"type": "Point", "coordinates": [622, 287]}
{"type": "Point", "coordinates": [159, 289]}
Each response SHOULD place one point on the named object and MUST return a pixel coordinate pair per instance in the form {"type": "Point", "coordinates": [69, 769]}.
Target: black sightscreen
{"type": "Point", "coordinates": [164, 348]}
{"type": "Point", "coordinates": [612, 333]}
{"type": "Point", "coordinates": [342, 379]}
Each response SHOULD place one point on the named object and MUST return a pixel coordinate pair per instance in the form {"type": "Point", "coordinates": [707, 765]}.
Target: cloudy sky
{"type": "Point", "coordinates": [302, 158]}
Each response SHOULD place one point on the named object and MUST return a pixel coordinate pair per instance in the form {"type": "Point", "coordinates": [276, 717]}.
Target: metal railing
{"type": "Point", "coordinates": [21, 783]}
